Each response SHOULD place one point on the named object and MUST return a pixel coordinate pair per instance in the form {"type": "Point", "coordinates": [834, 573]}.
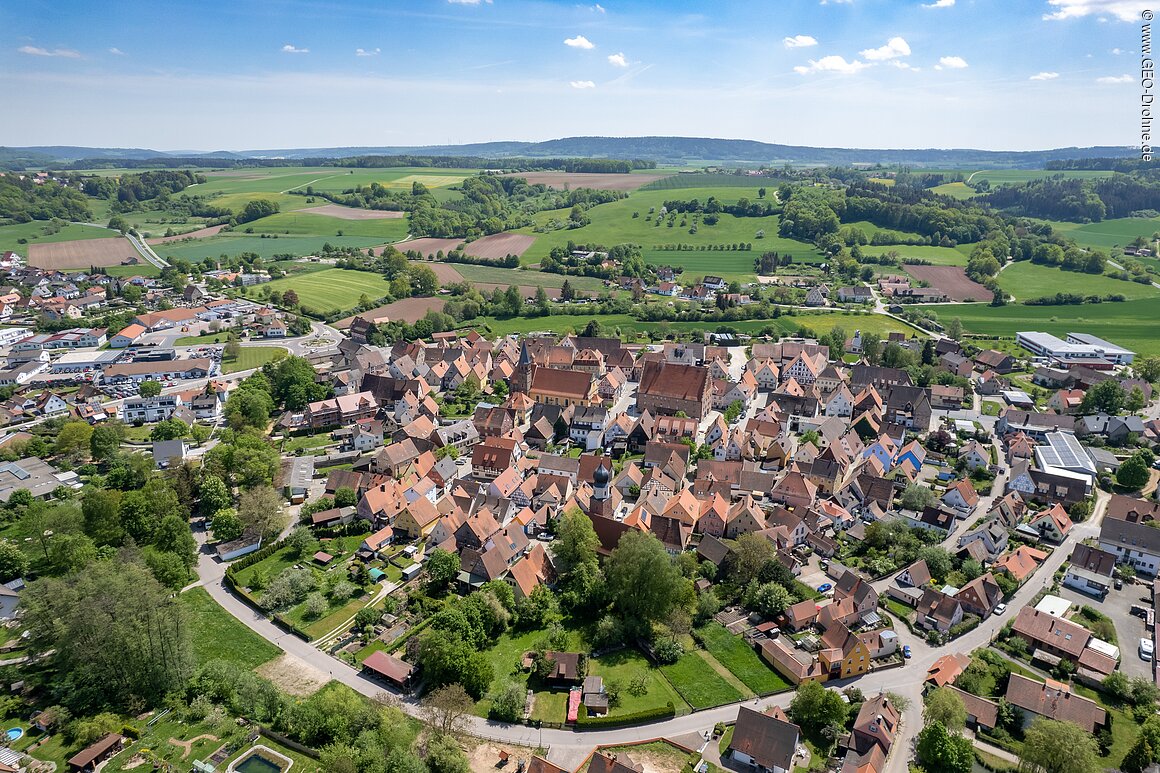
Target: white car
{"type": "Point", "coordinates": [1000, 609]}
{"type": "Point", "coordinates": [1146, 649]}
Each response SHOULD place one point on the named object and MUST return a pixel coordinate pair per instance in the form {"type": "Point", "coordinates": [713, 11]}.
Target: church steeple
{"type": "Point", "coordinates": [522, 377]}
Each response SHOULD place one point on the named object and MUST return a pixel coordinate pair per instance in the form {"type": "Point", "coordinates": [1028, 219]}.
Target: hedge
{"type": "Point", "coordinates": [583, 721]}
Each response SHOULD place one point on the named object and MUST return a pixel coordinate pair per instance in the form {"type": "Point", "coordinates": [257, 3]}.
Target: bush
{"type": "Point", "coordinates": [639, 718]}
{"type": "Point", "coordinates": [668, 651]}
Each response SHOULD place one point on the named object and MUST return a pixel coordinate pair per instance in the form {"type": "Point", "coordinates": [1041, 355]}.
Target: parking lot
{"type": "Point", "coordinates": [1129, 629]}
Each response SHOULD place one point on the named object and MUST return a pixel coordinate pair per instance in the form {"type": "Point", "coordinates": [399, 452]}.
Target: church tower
{"type": "Point", "coordinates": [522, 377]}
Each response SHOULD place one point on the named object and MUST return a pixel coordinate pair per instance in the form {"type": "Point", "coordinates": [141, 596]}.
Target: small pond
{"type": "Point", "coordinates": [261, 759]}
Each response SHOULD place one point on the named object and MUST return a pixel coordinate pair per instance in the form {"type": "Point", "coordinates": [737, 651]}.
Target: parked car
{"type": "Point", "coordinates": [1146, 649]}
{"type": "Point", "coordinates": [1118, 583]}
{"type": "Point", "coordinates": [906, 651]}
{"type": "Point", "coordinates": [1000, 609]}
{"type": "Point", "coordinates": [825, 587]}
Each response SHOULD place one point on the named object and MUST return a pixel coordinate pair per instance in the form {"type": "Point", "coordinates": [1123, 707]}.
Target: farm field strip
{"type": "Point", "coordinates": [333, 289]}
{"type": "Point", "coordinates": [1030, 280]}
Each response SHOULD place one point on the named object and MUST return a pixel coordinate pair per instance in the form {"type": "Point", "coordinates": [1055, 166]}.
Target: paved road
{"type": "Point", "coordinates": [568, 745]}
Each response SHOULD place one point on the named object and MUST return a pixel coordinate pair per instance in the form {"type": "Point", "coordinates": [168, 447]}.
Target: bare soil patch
{"type": "Point", "coordinates": [200, 233]}
{"type": "Point", "coordinates": [293, 675]}
{"type": "Point", "coordinates": [82, 253]}
{"type": "Point", "coordinates": [499, 246]}
{"type": "Point", "coordinates": [409, 310]}
{"type": "Point", "coordinates": [353, 213]}
{"type": "Point", "coordinates": [606, 182]}
{"type": "Point", "coordinates": [446, 273]}
{"type": "Point", "coordinates": [952, 280]}
{"type": "Point", "coordinates": [425, 246]}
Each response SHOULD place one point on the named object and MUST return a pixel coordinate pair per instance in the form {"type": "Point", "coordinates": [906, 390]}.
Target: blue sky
{"type": "Point", "coordinates": [996, 74]}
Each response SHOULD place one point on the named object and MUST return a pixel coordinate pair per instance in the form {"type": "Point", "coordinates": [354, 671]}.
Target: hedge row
{"type": "Point", "coordinates": [252, 558]}
{"type": "Point", "coordinates": [583, 721]}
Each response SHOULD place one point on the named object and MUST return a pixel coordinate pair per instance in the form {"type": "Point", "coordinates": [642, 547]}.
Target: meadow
{"type": "Point", "coordinates": [235, 243]}
{"type": "Point", "coordinates": [1010, 176]}
{"type": "Point", "coordinates": [1106, 234]}
{"type": "Point", "coordinates": [613, 223]}
{"type": "Point", "coordinates": [939, 256]}
{"type": "Point", "coordinates": [34, 233]}
{"type": "Point", "coordinates": [333, 289]}
{"type": "Point", "coordinates": [1031, 280]}
{"type": "Point", "coordinates": [310, 224]}
{"type": "Point", "coordinates": [1130, 324]}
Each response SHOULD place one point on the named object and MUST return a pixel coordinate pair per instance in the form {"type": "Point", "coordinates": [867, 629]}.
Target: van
{"type": "Point", "coordinates": [1146, 649]}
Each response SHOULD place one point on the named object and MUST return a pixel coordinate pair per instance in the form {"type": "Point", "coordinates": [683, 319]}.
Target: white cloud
{"type": "Point", "coordinates": [832, 63]}
{"type": "Point", "coordinates": [289, 49]}
{"type": "Point", "coordinates": [1115, 79]}
{"type": "Point", "coordinates": [617, 60]}
{"type": "Point", "coordinates": [894, 48]}
{"type": "Point", "coordinates": [366, 52]}
{"type": "Point", "coordinates": [940, 4]}
{"type": "Point", "coordinates": [799, 41]}
{"type": "Point", "coordinates": [583, 85]}
{"type": "Point", "coordinates": [951, 63]}
{"type": "Point", "coordinates": [1117, 51]}
{"type": "Point", "coordinates": [116, 51]}
{"type": "Point", "coordinates": [598, 8]}
{"type": "Point", "coordinates": [579, 42]}
{"type": "Point", "coordinates": [65, 53]}
{"type": "Point", "coordinates": [1122, 10]}
{"type": "Point", "coordinates": [1044, 76]}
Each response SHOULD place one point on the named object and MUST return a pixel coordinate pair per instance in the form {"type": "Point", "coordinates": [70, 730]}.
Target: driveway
{"type": "Point", "coordinates": [1129, 629]}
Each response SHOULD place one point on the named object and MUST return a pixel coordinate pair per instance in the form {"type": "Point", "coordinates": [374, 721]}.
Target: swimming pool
{"type": "Point", "coordinates": [262, 759]}
{"type": "Point", "coordinates": [14, 734]}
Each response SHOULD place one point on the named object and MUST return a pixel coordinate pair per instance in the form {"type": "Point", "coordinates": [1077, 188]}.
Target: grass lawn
{"type": "Point", "coordinates": [213, 338]}
{"type": "Point", "coordinates": [142, 269]}
{"type": "Point", "coordinates": [551, 706]}
{"type": "Point", "coordinates": [733, 653]}
{"type": "Point", "coordinates": [334, 289]}
{"type": "Point", "coordinates": [270, 567]}
{"type": "Point", "coordinates": [620, 667]}
{"type": "Point", "coordinates": [156, 740]}
{"type": "Point", "coordinates": [137, 434]}
{"type": "Point", "coordinates": [1031, 280]}
{"type": "Point", "coordinates": [306, 442]}
{"type": "Point", "coordinates": [955, 190]}
{"type": "Point", "coordinates": [266, 247]}
{"type": "Point", "coordinates": [218, 635]}
{"type": "Point", "coordinates": [311, 224]}
{"type": "Point", "coordinates": [698, 683]}
{"type": "Point", "coordinates": [511, 276]}
{"type": "Point", "coordinates": [939, 256]}
{"type": "Point", "coordinates": [898, 609]}
{"type": "Point", "coordinates": [1130, 324]}
{"type": "Point", "coordinates": [252, 357]}
{"type": "Point", "coordinates": [723, 744]}
{"type": "Point", "coordinates": [1106, 234]}
{"type": "Point", "coordinates": [334, 617]}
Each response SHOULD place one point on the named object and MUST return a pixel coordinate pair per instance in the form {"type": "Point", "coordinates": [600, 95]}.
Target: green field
{"type": "Point", "coordinates": [954, 190]}
{"type": "Point", "coordinates": [1030, 280]}
{"type": "Point", "coordinates": [1130, 324]}
{"type": "Point", "coordinates": [335, 289]}
{"type": "Point", "coordinates": [939, 256]}
{"type": "Point", "coordinates": [698, 683]}
{"type": "Point", "coordinates": [821, 322]}
{"type": "Point", "coordinates": [1009, 176]}
{"type": "Point", "coordinates": [613, 224]}
{"type": "Point", "coordinates": [733, 653]}
{"type": "Point", "coordinates": [686, 180]}
{"type": "Point", "coordinates": [1109, 233]}
{"type": "Point", "coordinates": [509, 276]}
{"type": "Point", "coordinates": [218, 635]}
{"type": "Point", "coordinates": [252, 357]}
{"type": "Point", "coordinates": [34, 232]}
{"type": "Point", "coordinates": [309, 224]}
{"type": "Point", "coordinates": [236, 243]}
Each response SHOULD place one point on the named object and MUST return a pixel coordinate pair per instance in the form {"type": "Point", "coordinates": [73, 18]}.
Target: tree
{"type": "Point", "coordinates": [302, 543]}
{"type": "Point", "coordinates": [916, 497]}
{"type": "Point", "coordinates": [170, 429]}
{"type": "Point", "coordinates": [749, 555]}
{"type": "Point", "coordinates": [213, 495]}
{"type": "Point", "coordinates": [1135, 400]}
{"type": "Point", "coordinates": [225, 525]}
{"type": "Point", "coordinates": [290, 298]}
{"type": "Point", "coordinates": [442, 568]}
{"type": "Point", "coordinates": [938, 561]}
{"type": "Point", "coordinates": [260, 510]}
{"type": "Point", "coordinates": [444, 755]}
{"type": "Point", "coordinates": [1051, 746]}
{"type": "Point", "coordinates": [1146, 750]}
{"type": "Point", "coordinates": [105, 441]}
{"type": "Point", "coordinates": [770, 599]}
{"type": "Point", "coordinates": [955, 329]}
{"type": "Point", "coordinates": [945, 752]}
{"type": "Point", "coordinates": [872, 348]}
{"type": "Point", "coordinates": [507, 701]}
{"type": "Point", "coordinates": [814, 707]}
{"type": "Point", "coordinates": [1105, 397]}
{"type": "Point", "coordinates": [100, 509]}
{"type": "Point", "coordinates": [173, 536]}
{"type": "Point", "coordinates": [149, 388]}
{"type": "Point", "coordinates": [1133, 473]}
{"type": "Point", "coordinates": [13, 561]}
{"type": "Point", "coordinates": [231, 350]}
{"type": "Point", "coordinates": [574, 551]}
{"type": "Point", "coordinates": [945, 707]}
{"type": "Point", "coordinates": [643, 582]}
{"type": "Point", "coordinates": [1148, 369]}
{"type": "Point", "coordinates": [345, 496]}
{"type": "Point", "coordinates": [73, 439]}
{"type": "Point", "coordinates": [445, 708]}
{"type": "Point", "coordinates": [115, 635]}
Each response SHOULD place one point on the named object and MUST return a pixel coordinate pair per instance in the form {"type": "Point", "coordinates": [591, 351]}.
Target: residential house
{"type": "Point", "coordinates": [1053, 524]}
{"type": "Point", "coordinates": [992, 535]}
{"type": "Point", "coordinates": [1090, 570]}
{"type": "Point", "coordinates": [1053, 700]}
{"type": "Point", "coordinates": [766, 742]}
